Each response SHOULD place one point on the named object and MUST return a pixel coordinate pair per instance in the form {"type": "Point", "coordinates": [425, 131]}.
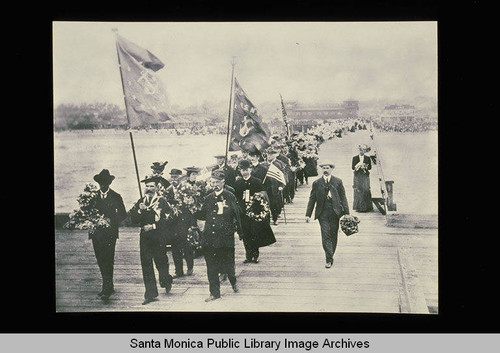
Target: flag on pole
{"type": "Point", "coordinates": [144, 93]}
{"type": "Point", "coordinates": [274, 172]}
{"type": "Point", "coordinates": [283, 111]}
{"type": "Point", "coordinates": [248, 131]}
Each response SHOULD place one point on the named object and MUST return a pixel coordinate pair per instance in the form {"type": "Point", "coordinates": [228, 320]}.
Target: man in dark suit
{"type": "Point", "coordinates": [328, 195]}
{"type": "Point", "coordinates": [149, 213]}
{"type": "Point", "coordinates": [110, 204]}
{"type": "Point", "coordinates": [221, 214]}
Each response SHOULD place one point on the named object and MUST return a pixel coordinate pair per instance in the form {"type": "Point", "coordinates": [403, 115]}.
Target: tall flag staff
{"type": "Point", "coordinates": [230, 114]}
{"type": "Point", "coordinates": [143, 93]}
{"type": "Point", "coordinates": [283, 111]}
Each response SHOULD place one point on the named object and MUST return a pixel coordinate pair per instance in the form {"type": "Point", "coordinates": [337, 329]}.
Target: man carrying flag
{"type": "Point", "coordinates": [275, 181]}
{"type": "Point", "coordinates": [248, 131]}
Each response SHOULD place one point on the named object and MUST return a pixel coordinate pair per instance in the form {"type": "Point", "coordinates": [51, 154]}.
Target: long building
{"type": "Point", "coordinates": [301, 115]}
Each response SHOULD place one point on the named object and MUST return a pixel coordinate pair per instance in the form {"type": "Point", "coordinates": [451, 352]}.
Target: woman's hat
{"type": "Point", "coordinates": [158, 167]}
{"type": "Point", "coordinates": [104, 177]}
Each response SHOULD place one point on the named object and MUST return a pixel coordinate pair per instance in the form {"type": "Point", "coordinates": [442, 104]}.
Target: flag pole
{"type": "Point", "coordinates": [115, 30]}
{"type": "Point", "coordinates": [283, 112]}
{"type": "Point", "coordinates": [230, 115]}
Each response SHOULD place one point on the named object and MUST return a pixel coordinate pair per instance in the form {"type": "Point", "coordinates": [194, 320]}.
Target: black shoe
{"type": "Point", "coordinates": [235, 288]}
{"type": "Point", "coordinates": [178, 275]}
{"type": "Point", "coordinates": [255, 261]}
{"type": "Point", "coordinates": [168, 287]}
{"type": "Point", "coordinates": [247, 261]}
{"type": "Point", "coordinates": [212, 298]}
{"type": "Point", "coordinates": [189, 272]}
{"type": "Point", "coordinates": [105, 294]}
{"type": "Point", "coordinates": [149, 300]}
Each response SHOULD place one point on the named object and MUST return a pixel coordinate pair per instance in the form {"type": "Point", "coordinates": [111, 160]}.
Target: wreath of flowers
{"type": "Point", "coordinates": [87, 216]}
{"type": "Point", "coordinates": [349, 224]}
{"type": "Point", "coordinates": [194, 237]}
{"type": "Point", "coordinates": [257, 208]}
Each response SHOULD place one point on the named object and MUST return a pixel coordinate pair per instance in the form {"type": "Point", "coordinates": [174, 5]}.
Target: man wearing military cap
{"type": "Point", "coordinates": [149, 212]}
{"type": "Point", "coordinates": [328, 195]}
{"type": "Point", "coordinates": [274, 187]}
{"type": "Point", "coordinates": [229, 172]}
{"type": "Point", "coordinates": [110, 204]}
{"type": "Point", "coordinates": [221, 214]}
{"type": "Point", "coordinates": [157, 169]}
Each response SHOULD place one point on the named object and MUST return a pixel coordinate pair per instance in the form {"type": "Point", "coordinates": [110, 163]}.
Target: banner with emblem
{"type": "Point", "coordinates": [144, 92]}
{"type": "Point", "coordinates": [248, 131]}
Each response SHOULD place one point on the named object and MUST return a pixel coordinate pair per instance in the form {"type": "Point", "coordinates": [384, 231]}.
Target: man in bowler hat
{"type": "Point", "coordinates": [328, 195]}
{"type": "Point", "coordinates": [110, 204]}
{"type": "Point", "coordinates": [222, 219]}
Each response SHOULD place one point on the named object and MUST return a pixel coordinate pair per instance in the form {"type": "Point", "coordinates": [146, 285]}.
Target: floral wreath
{"type": "Point", "coordinates": [87, 216]}
{"type": "Point", "coordinates": [193, 237]}
{"type": "Point", "coordinates": [257, 208]}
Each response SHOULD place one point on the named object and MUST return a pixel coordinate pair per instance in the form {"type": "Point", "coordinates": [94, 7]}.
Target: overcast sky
{"type": "Point", "coordinates": [304, 61]}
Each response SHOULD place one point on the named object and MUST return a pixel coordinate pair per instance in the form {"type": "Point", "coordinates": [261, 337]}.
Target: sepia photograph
{"type": "Point", "coordinates": [260, 167]}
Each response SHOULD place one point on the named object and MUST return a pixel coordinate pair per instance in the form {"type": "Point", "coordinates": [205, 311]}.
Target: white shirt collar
{"type": "Point", "coordinates": [218, 193]}
{"type": "Point", "coordinates": [104, 194]}
{"type": "Point", "coordinates": [327, 179]}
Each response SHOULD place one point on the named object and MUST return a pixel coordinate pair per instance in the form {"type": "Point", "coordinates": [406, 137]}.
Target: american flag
{"type": "Point", "coordinates": [283, 111]}
{"type": "Point", "coordinates": [275, 173]}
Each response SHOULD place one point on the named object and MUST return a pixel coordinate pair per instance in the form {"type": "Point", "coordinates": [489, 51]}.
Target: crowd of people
{"type": "Point", "coordinates": [197, 210]}
{"type": "Point", "coordinates": [405, 125]}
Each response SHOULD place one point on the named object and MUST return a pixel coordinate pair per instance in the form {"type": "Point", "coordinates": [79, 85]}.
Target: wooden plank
{"type": "Point", "coordinates": [413, 299]}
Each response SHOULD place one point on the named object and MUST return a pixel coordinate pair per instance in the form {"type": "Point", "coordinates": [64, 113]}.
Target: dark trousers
{"type": "Point", "coordinates": [152, 249]}
{"type": "Point", "coordinates": [329, 224]}
{"type": "Point", "coordinates": [275, 205]}
{"type": "Point", "coordinates": [182, 250]}
{"type": "Point", "coordinates": [300, 176]}
{"type": "Point", "coordinates": [104, 250]}
{"type": "Point", "coordinates": [219, 260]}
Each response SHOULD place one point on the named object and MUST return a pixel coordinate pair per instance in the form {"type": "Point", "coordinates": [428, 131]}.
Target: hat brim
{"type": "Point", "coordinates": [328, 164]}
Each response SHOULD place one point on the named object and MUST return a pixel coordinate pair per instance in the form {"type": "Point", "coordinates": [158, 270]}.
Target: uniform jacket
{"type": "Point", "coordinates": [154, 214]}
{"type": "Point", "coordinates": [319, 194]}
{"type": "Point", "coordinates": [220, 228]}
{"type": "Point", "coordinates": [113, 208]}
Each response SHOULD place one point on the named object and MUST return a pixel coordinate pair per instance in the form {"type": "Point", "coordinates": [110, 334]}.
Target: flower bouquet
{"type": "Point", "coordinates": [349, 224]}
{"type": "Point", "coordinates": [87, 216]}
{"type": "Point", "coordinates": [190, 196]}
{"type": "Point", "coordinates": [257, 208]}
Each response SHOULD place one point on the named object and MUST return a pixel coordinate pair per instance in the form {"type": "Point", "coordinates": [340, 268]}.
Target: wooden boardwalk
{"type": "Point", "coordinates": [378, 270]}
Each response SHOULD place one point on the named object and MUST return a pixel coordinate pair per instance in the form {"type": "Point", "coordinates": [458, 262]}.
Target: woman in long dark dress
{"type": "Point", "coordinates": [361, 165]}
